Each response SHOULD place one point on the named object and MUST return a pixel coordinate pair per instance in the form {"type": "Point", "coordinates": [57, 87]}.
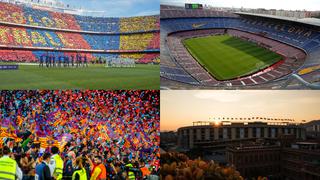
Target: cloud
{"type": "Point", "coordinates": [118, 8]}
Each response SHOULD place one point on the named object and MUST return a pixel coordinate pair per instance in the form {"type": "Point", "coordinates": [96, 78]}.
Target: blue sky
{"type": "Point", "coordinates": [310, 5]}
{"type": "Point", "coordinates": [118, 8]}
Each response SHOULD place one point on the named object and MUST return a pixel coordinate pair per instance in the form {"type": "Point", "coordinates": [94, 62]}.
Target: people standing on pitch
{"type": "Point", "coordinates": [56, 61]}
{"type": "Point", "coordinates": [47, 60]}
{"type": "Point", "coordinates": [9, 168]}
{"type": "Point", "coordinates": [56, 164]}
{"type": "Point", "coordinates": [63, 61]}
{"type": "Point", "coordinates": [100, 60]}
{"type": "Point", "coordinates": [42, 169]}
{"type": "Point", "coordinates": [85, 60]}
{"type": "Point", "coordinates": [60, 61]}
{"type": "Point", "coordinates": [41, 60]}
{"type": "Point", "coordinates": [78, 60]}
{"type": "Point", "coordinates": [53, 60]}
{"type": "Point", "coordinates": [67, 61]}
{"type": "Point", "coordinates": [72, 60]}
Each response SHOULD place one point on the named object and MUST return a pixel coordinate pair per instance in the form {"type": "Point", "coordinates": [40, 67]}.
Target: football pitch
{"type": "Point", "coordinates": [93, 77]}
{"type": "Point", "coordinates": [226, 57]}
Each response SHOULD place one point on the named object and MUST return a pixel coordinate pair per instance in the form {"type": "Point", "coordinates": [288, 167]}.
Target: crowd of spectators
{"type": "Point", "coordinates": [98, 24]}
{"type": "Point", "coordinates": [27, 56]}
{"type": "Point", "coordinates": [17, 56]}
{"type": "Point", "coordinates": [16, 36]}
{"type": "Point", "coordinates": [139, 41]}
{"type": "Point", "coordinates": [65, 21]}
{"type": "Point", "coordinates": [121, 39]}
{"type": "Point", "coordinates": [11, 13]}
{"type": "Point", "coordinates": [118, 129]}
{"type": "Point", "coordinates": [37, 17]}
{"type": "Point", "coordinates": [139, 24]}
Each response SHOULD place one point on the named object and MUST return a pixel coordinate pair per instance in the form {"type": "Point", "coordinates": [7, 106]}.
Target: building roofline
{"type": "Point", "coordinates": [308, 21]}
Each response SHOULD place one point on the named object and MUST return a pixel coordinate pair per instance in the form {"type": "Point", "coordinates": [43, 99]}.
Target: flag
{"type": "Point", "coordinates": [25, 142]}
{"type": "Point", "coordinates": [64, 140]}
{"type": "Point", "coordinates": [19, 120]}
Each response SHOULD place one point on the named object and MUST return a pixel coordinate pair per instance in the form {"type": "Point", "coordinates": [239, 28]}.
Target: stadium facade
{"type": "Point", "coordinates": [276, 150]}
{"type": "Point", "coordinates": [211, 135]}
{"type": "Point", "coordinates": [27, 33]}
{"type": "Point", "coordinates": [297, 41]}
{"type": "Point", "coordinates": [299, 160]}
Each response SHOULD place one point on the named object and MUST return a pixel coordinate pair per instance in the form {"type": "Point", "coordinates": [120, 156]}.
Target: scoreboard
{"type": "Point", "coordinates": [193, 6]}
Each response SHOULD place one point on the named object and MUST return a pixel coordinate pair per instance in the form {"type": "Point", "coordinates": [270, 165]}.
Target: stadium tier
{"type": "Point", "coordinates": [297, 43]}
{"type": "Point", "coordinates": [29, 31]}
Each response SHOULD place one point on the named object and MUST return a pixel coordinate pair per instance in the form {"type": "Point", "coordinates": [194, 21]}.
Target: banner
{"type": "Point", "coordinates": [9, 67]}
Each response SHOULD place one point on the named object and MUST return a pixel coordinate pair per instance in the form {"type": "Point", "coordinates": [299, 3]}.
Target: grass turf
{"type": "Point", "coordinates": [226, 57]}
{"type": "Point", "coordinates": [93, 77]}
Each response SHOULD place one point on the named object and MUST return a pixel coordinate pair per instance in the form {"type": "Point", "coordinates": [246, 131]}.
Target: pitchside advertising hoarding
{"type": "Point", "coordinates": [8, 67]}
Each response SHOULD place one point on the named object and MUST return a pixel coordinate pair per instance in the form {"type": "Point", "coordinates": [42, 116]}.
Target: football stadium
{"type": "Point", "coordinates": [205, 48]}
{"type": "Point", "coordinates": [44, 47]}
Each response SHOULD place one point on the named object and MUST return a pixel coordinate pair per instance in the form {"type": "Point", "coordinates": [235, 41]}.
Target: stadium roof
{"type": "Point", "coordinates": [309, 21]}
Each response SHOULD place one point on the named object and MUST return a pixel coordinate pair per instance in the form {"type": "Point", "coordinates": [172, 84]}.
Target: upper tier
{"type": "Point", "coordinates": [11, 13]}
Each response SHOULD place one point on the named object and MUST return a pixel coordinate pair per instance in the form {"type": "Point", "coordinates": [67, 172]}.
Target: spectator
{"type": "Point", "coordinates": [80, 172]}
{"type": "Point", "coordinates": [42, 169]}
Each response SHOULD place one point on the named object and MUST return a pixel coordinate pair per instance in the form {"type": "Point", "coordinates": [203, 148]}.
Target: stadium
{"type": "Point", "coordinates": [219, 135]}
{"type": "Point", "coordinates": [31, 33]}
{"type": "Point", "coordinates": [219, 49]}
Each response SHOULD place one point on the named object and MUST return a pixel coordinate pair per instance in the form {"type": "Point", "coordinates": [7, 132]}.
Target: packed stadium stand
{"type": "Point", "coordinates": [28, 31]}
{"type": "Point", "coordinates": [298, 43]}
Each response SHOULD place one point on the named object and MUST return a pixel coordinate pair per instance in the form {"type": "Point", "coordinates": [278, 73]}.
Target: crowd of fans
{"type": "Point", "coordinates": [11, 13]}
{"type": "Point", "coordinates": [42, 57]}
{"type": "Point", "coordinates": [142, 41]}
{"type": "Point", "coordinates": [17, 56]}
{"type": "Point", "coordinates": [65, 21]}
{"type": "Point", "coordinates": [178, 166]}
{"type": "Point", "coordinates": [139, 24]}
{"type": "Point", "coordinates": [27, 15]}
{"type": "Point", "coordinates": [144, 58]}
{"type": "Point", "coordinates": [16, 36]}
{"type": "Point", "coordinates": [50, 60]}
{"type": "Point", "coordinates": [98, 24]}
{"type": "Point", "coordinates": [90, 134]}
{"type": "Point", "coordinates": [120, 38]}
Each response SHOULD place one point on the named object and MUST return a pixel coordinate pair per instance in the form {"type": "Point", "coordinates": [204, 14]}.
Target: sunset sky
{"type": "Point", "coordinates": [181, 108]}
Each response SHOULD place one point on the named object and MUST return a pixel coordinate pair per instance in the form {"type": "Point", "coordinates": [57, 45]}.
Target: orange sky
{"type": "Point", "coordinates": [182, 107]}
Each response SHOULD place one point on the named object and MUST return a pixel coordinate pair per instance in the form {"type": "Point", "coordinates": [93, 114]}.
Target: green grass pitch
{"type": "Point", "coordinates": [226, 57]}
{"type": "Point", "coordinates": [93, 77]}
